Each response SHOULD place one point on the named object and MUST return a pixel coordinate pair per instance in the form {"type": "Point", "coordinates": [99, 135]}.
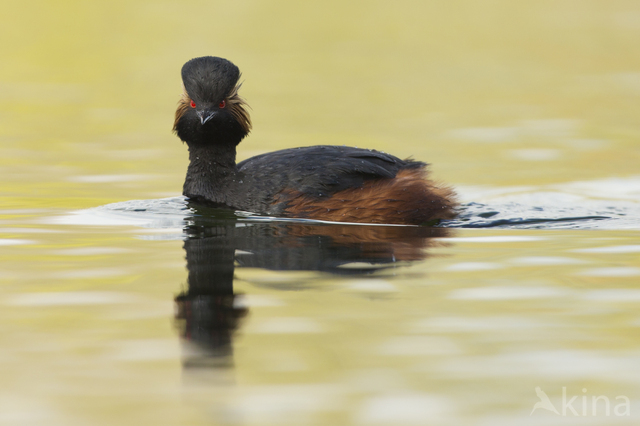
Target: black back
{"type": "Point", "coordinates": [319, 171]}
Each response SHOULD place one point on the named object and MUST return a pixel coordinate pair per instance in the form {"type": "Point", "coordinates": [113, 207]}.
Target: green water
{"type": "Point", "coordinates": [526, 102]}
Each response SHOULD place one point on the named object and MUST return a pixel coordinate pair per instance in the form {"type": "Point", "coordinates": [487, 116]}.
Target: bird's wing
{"type": "Point", "coordinates": [322, 170]}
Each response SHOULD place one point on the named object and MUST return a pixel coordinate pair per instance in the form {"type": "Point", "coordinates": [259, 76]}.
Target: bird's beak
{"type": "Point", "coordinates": [205, 115]}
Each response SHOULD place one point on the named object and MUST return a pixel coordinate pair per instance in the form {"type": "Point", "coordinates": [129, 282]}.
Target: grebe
{"type": "Point", "coordinates": [333, 183]}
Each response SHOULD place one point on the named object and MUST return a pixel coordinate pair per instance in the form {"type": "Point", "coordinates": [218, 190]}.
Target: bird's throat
{"type": "Point", "coordinates": [212, 169]}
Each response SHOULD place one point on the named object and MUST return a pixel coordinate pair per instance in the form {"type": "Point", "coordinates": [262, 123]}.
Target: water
{"type": "Point", "coordinates": [296, 322]}
{"type": "Point", "coordinates": [159, 312]}
{"type": "Point", "coordinates": [519, 208]}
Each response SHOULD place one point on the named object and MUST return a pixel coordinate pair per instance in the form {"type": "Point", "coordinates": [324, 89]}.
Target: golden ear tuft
{"type": "Point", "coordinates": [237, 107]}
{"type": "Point", "coordinates": [183, 107]}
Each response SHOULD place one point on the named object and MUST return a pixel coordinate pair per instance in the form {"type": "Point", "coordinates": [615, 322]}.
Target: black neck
{"type": "Point", "coordinates": [212, 169]}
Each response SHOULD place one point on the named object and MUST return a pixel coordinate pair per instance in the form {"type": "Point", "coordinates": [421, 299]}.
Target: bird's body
{"type": "Point", "coordinates": [324, 182]}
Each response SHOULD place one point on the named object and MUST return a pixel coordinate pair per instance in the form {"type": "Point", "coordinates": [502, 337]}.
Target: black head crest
{"type": "Point", "coordinates": [209, 78]}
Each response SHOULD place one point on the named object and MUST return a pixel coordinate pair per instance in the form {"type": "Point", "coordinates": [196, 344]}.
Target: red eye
{"type": "Point", "coordinates": [193, 104]}
{"type": "Point", "coordinates": [222, 104]}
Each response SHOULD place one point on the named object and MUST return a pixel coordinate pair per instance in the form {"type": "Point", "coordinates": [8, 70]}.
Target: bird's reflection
{"type": "Point", "coordinates": [217, 242]}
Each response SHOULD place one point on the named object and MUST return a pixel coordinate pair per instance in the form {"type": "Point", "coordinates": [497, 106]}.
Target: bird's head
{"type": "Point", "coordinates": [210, 108]}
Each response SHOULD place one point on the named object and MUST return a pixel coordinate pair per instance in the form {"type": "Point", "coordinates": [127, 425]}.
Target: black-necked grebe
{"type": "Point", "coordinates": [333, 183]}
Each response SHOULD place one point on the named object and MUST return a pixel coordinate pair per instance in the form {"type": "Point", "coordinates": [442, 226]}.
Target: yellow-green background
{"type": "Point", "coordinates": [87, 95]}
{"type": "Point", "coordinates": [90, 87]}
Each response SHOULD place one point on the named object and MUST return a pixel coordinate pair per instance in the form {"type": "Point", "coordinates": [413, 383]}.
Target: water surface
{"type": "Point", "coordinates": [116, 311]}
